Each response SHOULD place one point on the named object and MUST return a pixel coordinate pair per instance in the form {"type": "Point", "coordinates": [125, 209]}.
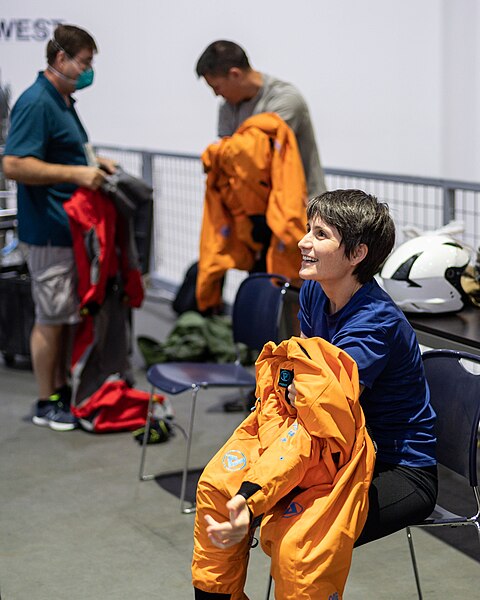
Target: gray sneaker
{"type": "Point", "coordinates": [60, 418]}
{"type": "Point", "coordinates": [43, 409]}
{"type": "Point", "coordinates": [55, 414]}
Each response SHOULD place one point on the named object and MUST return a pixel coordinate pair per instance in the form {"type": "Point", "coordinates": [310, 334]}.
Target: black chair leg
{"type": "Point", "coordinates": [414, 563]}
{"type": "Point", "coordinates": [269, 588]}
{"type": "Point", "coordinates": [477, 517]}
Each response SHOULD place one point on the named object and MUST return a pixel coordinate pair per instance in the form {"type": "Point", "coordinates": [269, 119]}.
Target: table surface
{"type": "Point", "coordinates": [462, 327]}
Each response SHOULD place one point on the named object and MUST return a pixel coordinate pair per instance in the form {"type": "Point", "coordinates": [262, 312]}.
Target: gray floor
{"type": "Point", "coordinates": [76, 524]}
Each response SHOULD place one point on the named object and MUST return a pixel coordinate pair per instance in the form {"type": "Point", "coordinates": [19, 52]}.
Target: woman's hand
{"type": "Point", "coordinates": [226, 534]}
{"type": "Point", "coordinates": [292, 394]}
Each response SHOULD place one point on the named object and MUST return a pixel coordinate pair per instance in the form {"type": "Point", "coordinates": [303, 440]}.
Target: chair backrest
{"type": "Point", "coordinates": [455, 396]}
{"type": "Point", "coordinates": [257, 309]}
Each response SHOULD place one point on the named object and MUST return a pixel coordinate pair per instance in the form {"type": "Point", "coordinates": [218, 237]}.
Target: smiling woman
{"type": "Point", "coordinates": [350, 236]}
{"type": "Point", "coordinates": [324, 260]}
{"type": "Point", "coordinates": [336, 249]}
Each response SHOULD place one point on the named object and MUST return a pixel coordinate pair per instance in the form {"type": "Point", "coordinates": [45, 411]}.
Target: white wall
{"type": "Point", "coordinates": [392, 84]}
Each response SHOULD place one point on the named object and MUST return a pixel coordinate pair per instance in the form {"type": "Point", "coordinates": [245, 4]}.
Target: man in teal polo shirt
{"type": "Point", "coordinates": [48, 155]}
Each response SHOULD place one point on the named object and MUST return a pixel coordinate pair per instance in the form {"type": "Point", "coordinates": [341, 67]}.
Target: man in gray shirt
{"type": "Point", "coordinates": [226, 69]}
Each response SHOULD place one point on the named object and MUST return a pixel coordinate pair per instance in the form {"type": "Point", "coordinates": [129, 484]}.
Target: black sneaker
{"type": "Point", "coordinates": [63, 393]}
{"type": "Point", "coordinates": [43, 409]}
{"type": "Point", "coordinates": [60, 418]}
{"type": "Point", "coordinates": [54, 413]}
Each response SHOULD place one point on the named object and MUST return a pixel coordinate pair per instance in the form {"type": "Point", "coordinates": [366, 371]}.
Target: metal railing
{"type": "Point", "coordinates": [178, 182]}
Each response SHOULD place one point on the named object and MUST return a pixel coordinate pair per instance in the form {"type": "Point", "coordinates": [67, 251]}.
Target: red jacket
{"type": "Point", "coordinates": [101, 242]}
{"type": "Point", "coordinates": [98, 232]}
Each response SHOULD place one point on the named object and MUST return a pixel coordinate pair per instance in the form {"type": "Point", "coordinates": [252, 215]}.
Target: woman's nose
{"type": "Point", "coordinates": [303, 241]}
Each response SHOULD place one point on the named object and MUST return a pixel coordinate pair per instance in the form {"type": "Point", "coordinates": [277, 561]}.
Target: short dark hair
{"type": "Point", "coordinates": [359, 219]}
{"type": "Point", "coordinates": [70, 38]}
{"type": "Point", "coordinates": [219, 57]}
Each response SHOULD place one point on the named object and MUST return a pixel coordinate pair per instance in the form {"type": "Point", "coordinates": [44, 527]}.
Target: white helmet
{"type": "Point", "coordinates": [423, 274]}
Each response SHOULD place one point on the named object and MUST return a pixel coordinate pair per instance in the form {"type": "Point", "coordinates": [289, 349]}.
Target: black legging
{"type": "Point", "coordinates": [398, 497]}
{"type": "Point", "coordinates": [199, 595]}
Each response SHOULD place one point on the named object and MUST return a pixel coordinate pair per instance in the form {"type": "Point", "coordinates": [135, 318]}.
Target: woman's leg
{"type": "Point", "coordinates": [398, 496]}
{"type": "Point", "coordinates": [310, 536]}
{"type": "Point", "coordinates": [216, 573]}
{"type": "Point", "coordinates": [200, 595]}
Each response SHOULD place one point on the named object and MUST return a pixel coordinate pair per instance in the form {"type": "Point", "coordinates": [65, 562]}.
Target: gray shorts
{"type": "Point", "coordinates": [54, 284]}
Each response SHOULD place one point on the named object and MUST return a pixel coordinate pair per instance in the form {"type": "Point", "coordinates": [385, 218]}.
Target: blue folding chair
{"type": "Point", "coordinates": [256, 318]}
{"type": "Point", "coordinates": [455, 396]}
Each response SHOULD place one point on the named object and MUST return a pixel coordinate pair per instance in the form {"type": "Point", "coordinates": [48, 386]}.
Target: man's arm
{"type": "Point", "coordinates": [290, 107]}
{"type": "Point", "coordinates": [33, 171]}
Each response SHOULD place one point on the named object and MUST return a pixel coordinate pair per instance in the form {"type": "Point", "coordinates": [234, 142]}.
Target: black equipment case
{"type": "Point", "coordinates": [16, 315]}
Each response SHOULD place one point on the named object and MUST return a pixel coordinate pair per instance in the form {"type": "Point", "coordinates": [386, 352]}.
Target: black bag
{"type": "Point", "coordinates": [17, 315]}
{"type": "Point", "coordinates": [133, 198]}
{"type": "Point", "coordinates": [185, 299]}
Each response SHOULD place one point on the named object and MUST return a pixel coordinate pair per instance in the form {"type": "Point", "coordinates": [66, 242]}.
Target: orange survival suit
{"type": "Point", "coordinates": [306, 469]}
{"type": "Point", "coordinates": [255, 177]}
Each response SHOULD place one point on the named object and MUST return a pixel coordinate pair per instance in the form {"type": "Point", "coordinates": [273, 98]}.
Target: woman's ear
{"type": "Point", "coordinates": [359, 253]}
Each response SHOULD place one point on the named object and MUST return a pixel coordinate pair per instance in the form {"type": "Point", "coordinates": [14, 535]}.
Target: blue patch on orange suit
{"type": "Point", "coordinates": [293, 509]}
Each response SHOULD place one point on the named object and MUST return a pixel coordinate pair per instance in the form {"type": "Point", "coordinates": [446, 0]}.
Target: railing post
{"type": "Point", "coordinates": [448, 204]}
{"type": "Point", "coordinates": [147, 176]}
{"type": "Point", "coordinates": [147, 167]}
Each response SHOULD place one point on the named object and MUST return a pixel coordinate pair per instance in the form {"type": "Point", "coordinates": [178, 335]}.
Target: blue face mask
{"type": "Point", "coordinates": [85, 79]}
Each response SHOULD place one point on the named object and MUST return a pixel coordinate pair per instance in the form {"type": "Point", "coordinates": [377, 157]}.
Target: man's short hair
{"type": "Point", "coordinates": [359, 219]}
{"type": "Point", "coordinates": [219, 57]}
{"type": "Point", "coordinates": [70, 38]}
